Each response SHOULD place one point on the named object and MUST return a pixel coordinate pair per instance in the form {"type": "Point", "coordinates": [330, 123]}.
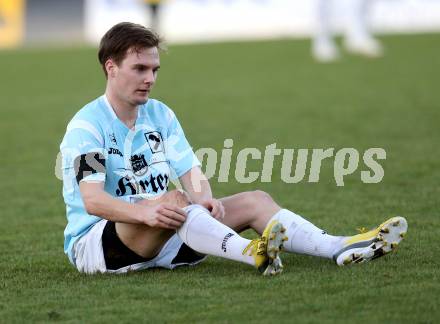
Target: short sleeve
{"type": "Point", "coordinates": [179, 152]}
{"type": "Point", "coordinates": [83, 153]}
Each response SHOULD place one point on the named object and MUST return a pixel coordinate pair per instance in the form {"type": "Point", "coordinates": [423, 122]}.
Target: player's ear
{"type": "Point", "coordinates": [110, 67]}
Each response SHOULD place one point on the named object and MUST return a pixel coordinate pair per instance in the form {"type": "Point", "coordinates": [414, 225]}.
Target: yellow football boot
{"type": "Point", "coordinates": [266, 249]}
{"type": "Point", "coordinates": [372, 244]}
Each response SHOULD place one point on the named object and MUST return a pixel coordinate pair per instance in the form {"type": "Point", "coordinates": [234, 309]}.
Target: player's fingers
{"type": "Point", "coordinates": [175, 209]}
{"type": "Point", "coordinates": [215, 209]}
{"type": "Point", "coordinates": [160, 221]}
{"type": "Point", "coordinates": [222, 211]}
{"type": "Point", "coordinates": [219, 210]}
{"type": "Point", "coordinates": [165, 225]}
{"type": "Point", "coordinates": [173, 216]}
{"type": "Point", "coordinates": [169, 222]}
{"type": "Point", "coordinates": [219, 215]}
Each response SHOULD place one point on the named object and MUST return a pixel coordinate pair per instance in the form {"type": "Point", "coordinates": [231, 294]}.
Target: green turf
{"type": "Point", "coordinates": [257, 94]}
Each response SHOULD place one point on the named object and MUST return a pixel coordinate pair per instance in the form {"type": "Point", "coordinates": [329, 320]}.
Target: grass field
{"type": "Point", "coordinates": [257, 94]}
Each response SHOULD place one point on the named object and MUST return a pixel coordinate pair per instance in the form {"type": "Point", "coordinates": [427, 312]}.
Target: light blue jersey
{"type": "Point", "coordinates": [97, 146]}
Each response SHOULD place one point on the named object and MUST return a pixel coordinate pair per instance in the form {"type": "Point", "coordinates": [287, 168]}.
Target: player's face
{"type": "Point", "coordinates": [135, 76]}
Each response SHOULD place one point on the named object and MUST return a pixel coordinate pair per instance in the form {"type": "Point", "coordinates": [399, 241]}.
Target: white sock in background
{"type": "Point", "coordinates": [306, 238]}
{"type": "Point", "coordinates": [204, 234]}
{"type": "Point", "coordinates": [323, 21]}
{"type": "Point", "coordinates": [357, 28]}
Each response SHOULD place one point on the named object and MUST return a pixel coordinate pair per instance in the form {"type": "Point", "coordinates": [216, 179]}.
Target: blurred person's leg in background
{"type": "Point", "coordinates": [358, 38]}
{"type": "Point", "coordinates": [324, 48]}
{"type": "Point", "coordinates": [154, 8]}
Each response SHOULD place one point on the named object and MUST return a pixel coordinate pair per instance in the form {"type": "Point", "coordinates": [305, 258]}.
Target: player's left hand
{"type": "Point", "coordinates": [215, 207]}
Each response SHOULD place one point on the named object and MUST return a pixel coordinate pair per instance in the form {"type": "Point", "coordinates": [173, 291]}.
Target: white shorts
{"type": "Point", "coordinates": [89, 256]}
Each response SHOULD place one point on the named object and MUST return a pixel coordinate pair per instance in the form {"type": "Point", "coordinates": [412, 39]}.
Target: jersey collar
{"type": "Point", "coordinates": [109, 107]}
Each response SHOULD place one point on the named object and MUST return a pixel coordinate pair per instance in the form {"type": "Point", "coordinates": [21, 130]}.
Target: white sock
{"type": "Point", "coordinates": [357, 28]}
{"type": "Point", "coordinates": [204, 234]}
{"type": "Point", "coordinates": [323, 31]}
{"type": "Point", "coordinates": [306, 238]}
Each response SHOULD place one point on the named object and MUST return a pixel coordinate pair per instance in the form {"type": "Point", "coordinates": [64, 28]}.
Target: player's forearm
{"type": "Point", "coordinates": [196, 185]}
{"type": "Point", "coordinates": [100, 203]}
{"type": "Point", "coordinates": [199, 196]}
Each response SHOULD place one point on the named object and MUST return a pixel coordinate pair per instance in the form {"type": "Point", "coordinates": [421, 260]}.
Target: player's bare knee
{"type": "Point", "coordinates": [260, 200]}
{"type": "Point", "coordinates": [249, 201]}
{"type": "Point", "coordinates": [262, 195]}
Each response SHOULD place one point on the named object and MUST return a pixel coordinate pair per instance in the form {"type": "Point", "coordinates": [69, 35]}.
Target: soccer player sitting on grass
{"type": "Point", "coordinates": [118, 155]}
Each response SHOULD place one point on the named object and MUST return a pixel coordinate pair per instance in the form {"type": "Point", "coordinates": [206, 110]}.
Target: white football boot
{"type": "Point", "coordinates": [325, 50]}
{"type": "Point", "coordinates": [365, 46]}
{"type": "Point", "coordinates": [372, 244]}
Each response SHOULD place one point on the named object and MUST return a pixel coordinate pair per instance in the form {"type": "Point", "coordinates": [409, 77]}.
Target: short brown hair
{"type": "Point", "coordinates": [123, 37]}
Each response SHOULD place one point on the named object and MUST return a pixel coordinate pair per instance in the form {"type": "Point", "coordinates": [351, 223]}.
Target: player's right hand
{"type": "Point", "coordinates": [166, 216]}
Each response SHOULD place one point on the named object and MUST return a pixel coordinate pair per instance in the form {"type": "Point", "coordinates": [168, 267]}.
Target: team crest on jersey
{"type": "Point", "coordinates": [139, 164]}
{"type": "Point", "coordinates": [155, 142]}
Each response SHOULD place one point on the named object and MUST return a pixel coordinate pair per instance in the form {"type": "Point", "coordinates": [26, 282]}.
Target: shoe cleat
{"type": "Point", "coordinates": [347, 260]}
